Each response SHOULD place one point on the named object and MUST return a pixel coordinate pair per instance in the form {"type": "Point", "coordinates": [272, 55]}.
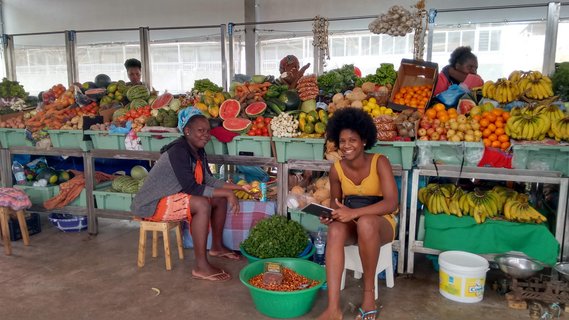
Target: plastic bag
{"type": "Point", "coordinates": [80, 98]}
{"type": "Point", "coordinates": [451, 96]}
{"type": "Point", "coordinates": [114, 129]}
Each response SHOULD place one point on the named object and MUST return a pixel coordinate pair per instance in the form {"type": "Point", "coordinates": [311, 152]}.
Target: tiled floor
{"type": "Point", "coordinates": [78, 276]}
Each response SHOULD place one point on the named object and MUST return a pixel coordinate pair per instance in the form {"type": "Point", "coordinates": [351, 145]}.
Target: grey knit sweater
{"type": "Point", "coordinates": [173, 173]}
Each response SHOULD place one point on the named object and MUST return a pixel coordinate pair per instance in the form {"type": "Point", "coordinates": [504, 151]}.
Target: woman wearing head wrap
{"type": "Point", "coordinates": [180, 186]}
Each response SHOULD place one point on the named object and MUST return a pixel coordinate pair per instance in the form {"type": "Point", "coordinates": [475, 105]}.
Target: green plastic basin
{"type": "Point", "coordinates": [302, 256]}
{"type": "Point", "coordinates": [281, 305]}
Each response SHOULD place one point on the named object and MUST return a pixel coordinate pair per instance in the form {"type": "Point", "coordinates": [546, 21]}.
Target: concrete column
{"type": "Point", "coordinates": [250, 37]}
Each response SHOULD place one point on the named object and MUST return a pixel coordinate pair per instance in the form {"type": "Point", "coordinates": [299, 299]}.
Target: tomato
{"type": "Point", "coordinates": [260, 125]}
{"type": "Point", "coordinates": [265, 130]}
{"type": "Point", "coordinates": [259, 119]}
{"type": "Point", "coordinates": [267, 121]}
{"type": "Point", "coordinates": [251, 132]}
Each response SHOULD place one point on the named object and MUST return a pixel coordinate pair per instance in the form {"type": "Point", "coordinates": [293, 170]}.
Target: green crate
{"type": "Point", "coordinates": [309, 222]}
{"type": "Point", "coordinates": [155, 141]}
{"type": "Point", "coordinates": [80, 201]}
{"type": "Point", "coordinates": [69, 139]}
{"type": "Point", "coordinates": [250, 146]}
{"type": "Point", "coordinates": [449, 153]}
{"type": "Point", "coordinates": [216, 147]}
{"type": "Point", "coordinates": [541, 157]}
{"type": "Point", "coordinates": [106, 140]}
{"type": "Point", "coordinates": [299, 149]}
{"type": "Point", "coordinates": [14, 138]}
{"type": "Point", "coordinates": [109, 200]}
{"type": "Point", "coordinates": [398, 152]}
{"type": "Point", "coordinates": [38, 195]}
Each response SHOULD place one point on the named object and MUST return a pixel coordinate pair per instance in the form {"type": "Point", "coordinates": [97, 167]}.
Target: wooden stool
{"type": "Point", "coordinates": [155, 227]}
{"type": "Point", "coordinates": [4, 216]}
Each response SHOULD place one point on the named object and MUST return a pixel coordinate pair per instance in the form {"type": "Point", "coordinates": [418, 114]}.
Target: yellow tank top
{"type": "Point", "coordinates": [370, 186]}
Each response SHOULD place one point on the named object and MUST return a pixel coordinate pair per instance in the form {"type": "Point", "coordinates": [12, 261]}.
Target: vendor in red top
{"type": "Point", "coordinates": [462, 68]}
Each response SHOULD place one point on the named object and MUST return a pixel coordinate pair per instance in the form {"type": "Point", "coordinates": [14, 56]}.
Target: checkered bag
{"type": "Point", "coordinates": [14, 198]}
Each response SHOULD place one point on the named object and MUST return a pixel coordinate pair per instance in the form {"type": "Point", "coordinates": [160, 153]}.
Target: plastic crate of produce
{"type": "Point", "coordinates": [449, 153]}
{"type": "Point", "coordinates": [398, 152]}
{"type": "Point", "coordinates": [250, 146]}
{"type": "Point", "coordinates": [309, 222]}
{"type": "Point", "coordinates": [67, 222]}
{"type": "Point", "coordinates": [299, 149]}
{"type": "Point", "coordinates": [14, 138]}
{"type": "Point", "coordinates": [216, 147]}
{"type": "Point", "coordinates": [105, 198]}
{"type": "Point", "coordinates": [81, 200]}
{"type": "Point", "coordinates": [38, 195]}
{"type": "Point", "coordinates": [33, 223]}
{"type": "Point", "coordinates": [152, 141]}
{"type": "Point", "coordinates": [69, 139]}
{"type": "Point", "coordinates": [106, 140]}
{"type": "Point", "coordinates": [541, 157]}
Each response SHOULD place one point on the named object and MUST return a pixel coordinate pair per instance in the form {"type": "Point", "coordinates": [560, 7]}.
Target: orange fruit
{"type": "Point", "coordinates": [505, 145]}
{"type": "Point", "coordinates": [487, 143]}
{"type": "Point", "coordinates": [496, 144]}
{"type": "Point", "coordinates": [491, 117]}
{"type": "Point", "coordinates": [497, 111]}
{"type": "Point", "coordinates": [492, 127]}
{"type": "Point", "coordinates": [477, 117]}
{"type": "Point", "coordinates": [505, 116]}
{"type": "Point", "coordinates": [493, 137]}
{"type": "Point", "coordinates": [499, 132]}
{"type": "Point", "coordinates": [484, 123]}
{"type": "Point", "coordinates": [441, 113]}
{"type": "Point", "coordinates": [499, 124]}
{"type": "Point", "coordinates": [431, 113]}
{"type": "Point", "coordinates": [452, 110]}
{"type": "Point", "coordinates": [503, 138]}
{"type": "Point", "coordinates": [485, 114]}
{"type": "Point", "coordinates": [443, 118]}
{"type": "Point", "coordinates": [486, 133]}
{"type": "Point", "coordinates": [439, 107]}
{"type": "Point", "coordinates": [453, 115]}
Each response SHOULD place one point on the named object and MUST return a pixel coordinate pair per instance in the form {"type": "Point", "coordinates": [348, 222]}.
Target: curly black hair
{"type": "Point", "coordinates": [460, 55]}
{"type": "Point", "coordinates": [354, 119]}
{"type": "Point", "coordinates": [133, 63]}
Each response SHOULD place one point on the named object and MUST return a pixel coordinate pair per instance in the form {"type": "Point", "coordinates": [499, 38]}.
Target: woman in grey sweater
{"type": "Point", "coordinates": [180, 186]}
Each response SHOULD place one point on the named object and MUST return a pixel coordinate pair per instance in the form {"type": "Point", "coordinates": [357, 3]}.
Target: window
{"type": "Point", "coordinates": [337, 46]}
{"type": "Point", "coordinates": [468, 38]}
{"type": "Point", "coordinates": [453, 39]}
{"type": "Point", "coordinates": [439, 41]}
{"type": "Point", "coordinates": [484, 41]}
{"type": "Point", "coordinates": [562, 50]}
{"type": "Point", "coordinates": [352, 46]}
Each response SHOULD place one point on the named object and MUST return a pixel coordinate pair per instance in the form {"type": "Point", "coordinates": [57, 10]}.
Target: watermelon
{"type": "Point", "coordinates": [162, 100]}
{"type": "Point", "coordinates": [138, 92]}
{"type": "Point", "coordinates": [465, 105]}
{"type": "Point", "coordinates": [138, 103]}
{"type": "Point", "coordinates": [119, 113]}
{"type": "Point", "coordinates": [230, 108]}
{"type": "Point", "coordinates": [236, 124]}
{"type": "Point", "coordinates": [255, 109]}
{"type": "Point", "coordinates": [96, 94]}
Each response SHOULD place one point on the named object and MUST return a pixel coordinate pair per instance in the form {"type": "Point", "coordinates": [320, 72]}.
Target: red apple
{"type": "Point", "coordinates": [422, 132]}
{"type": "Point", "coordinates": [424, 138]}
{"type": "Point", "coordinates": [436, 122]}
{"type": "Point", "coordinates": [443, 137]}
{"type": "Point", "coordinates": [430, 131]}
{"type": "Point", "coordinates": [435, 136]}
{"type": "Point", "coordinates": [425, 124]}
{"type": "Point", "coordinates": [440, 130]}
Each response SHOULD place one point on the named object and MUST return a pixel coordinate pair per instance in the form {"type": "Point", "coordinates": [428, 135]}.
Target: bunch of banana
{"type": "Point", "coordinates": [503, 91]}
{"type": "Point", "coordinates": [441, 198]}
{"type": "Point", "coordinates": [535, 85]}
{"type": "Point", "coordinates": [560, 128]}
{"type": "Point", "coordinates": [553, 113]}
{"type": "Point", "coordinates": [516, 76]}
{"type": "Point", "coordinates": [522, 211]}
{"type": "Point", "coordinates": [479, 204]}
{"type": "Point", "coordinates": [529, 125]}
{"type": "Point", "coordinates": [503, 194]}
{"type": "Point", "coordinates": [242, 195]}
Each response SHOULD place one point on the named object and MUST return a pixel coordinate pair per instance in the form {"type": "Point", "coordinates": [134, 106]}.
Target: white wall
{"type": "Point", "coordinates": [26, 16]}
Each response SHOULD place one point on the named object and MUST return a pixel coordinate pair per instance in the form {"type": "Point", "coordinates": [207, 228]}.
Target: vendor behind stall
{"type": "Point", "coordinates": [134, 71]}
{"type": "Point", "coordinates": [461, 69]}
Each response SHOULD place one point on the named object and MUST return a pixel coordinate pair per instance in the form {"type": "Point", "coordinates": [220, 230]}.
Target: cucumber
{"type": "Point", "coordinates": [279, 103]}
{"type": "Point", "coordinates": [274, 107]}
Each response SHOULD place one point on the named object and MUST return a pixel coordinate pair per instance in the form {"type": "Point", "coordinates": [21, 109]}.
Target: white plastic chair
{"type": "Point", "coordinates": [353, 262]}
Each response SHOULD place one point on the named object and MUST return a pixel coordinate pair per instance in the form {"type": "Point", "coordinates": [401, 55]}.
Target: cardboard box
{"type": "Point", "coordinates": [413, 73]}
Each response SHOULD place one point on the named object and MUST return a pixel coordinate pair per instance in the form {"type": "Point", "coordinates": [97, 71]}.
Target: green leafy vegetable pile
{"type": "Point", "coordinates": [560, 81]}
{"type": "Point", "coordinates": [12, 89]}
{"type": "Point", "coordinates": [206, 84]}
{"type": "Point", "coordinates": [384, 75]}
{"type": "Point", "coordinates": [337, 80]}
{"type": "Point", "coordinates": [276, 237]}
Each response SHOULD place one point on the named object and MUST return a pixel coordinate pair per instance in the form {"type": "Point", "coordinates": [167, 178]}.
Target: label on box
{"type": "Point", "coordinates": [273, 273]}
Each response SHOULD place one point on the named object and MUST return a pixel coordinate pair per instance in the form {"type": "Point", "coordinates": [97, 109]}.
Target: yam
{"type": "Point", "coordinates": [298, 190]}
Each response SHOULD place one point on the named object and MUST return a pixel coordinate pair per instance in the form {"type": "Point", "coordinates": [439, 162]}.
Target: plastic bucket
{"type": "Point", "coordinates": [462, 276]}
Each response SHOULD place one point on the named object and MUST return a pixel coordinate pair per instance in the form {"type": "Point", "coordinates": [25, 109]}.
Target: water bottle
{"type": "Point", "coordinates": [18, 171]}
{"type": "Point", "coordinates": [320, 244]}
{"type": "Point", "coordinates": [263, 187]}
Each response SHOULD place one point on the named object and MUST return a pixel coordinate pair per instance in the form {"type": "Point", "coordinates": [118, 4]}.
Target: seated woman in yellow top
{"type": "Point", "coordinates": [370, 227]}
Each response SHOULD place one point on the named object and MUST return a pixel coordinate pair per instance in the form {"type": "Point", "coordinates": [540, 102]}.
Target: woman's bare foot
{"type": "Point", "coordinates": [330, 314]}
{"type": "Point", "coordinates": [210, 272]}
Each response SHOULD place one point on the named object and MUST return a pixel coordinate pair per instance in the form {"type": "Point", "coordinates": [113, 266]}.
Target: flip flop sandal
{"type": "Point", "coordinates": [227, 255]}
{"type": "Point", "coordinates": [212, 277]}
{"type": "Point", "coordinates": [367, 315]}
